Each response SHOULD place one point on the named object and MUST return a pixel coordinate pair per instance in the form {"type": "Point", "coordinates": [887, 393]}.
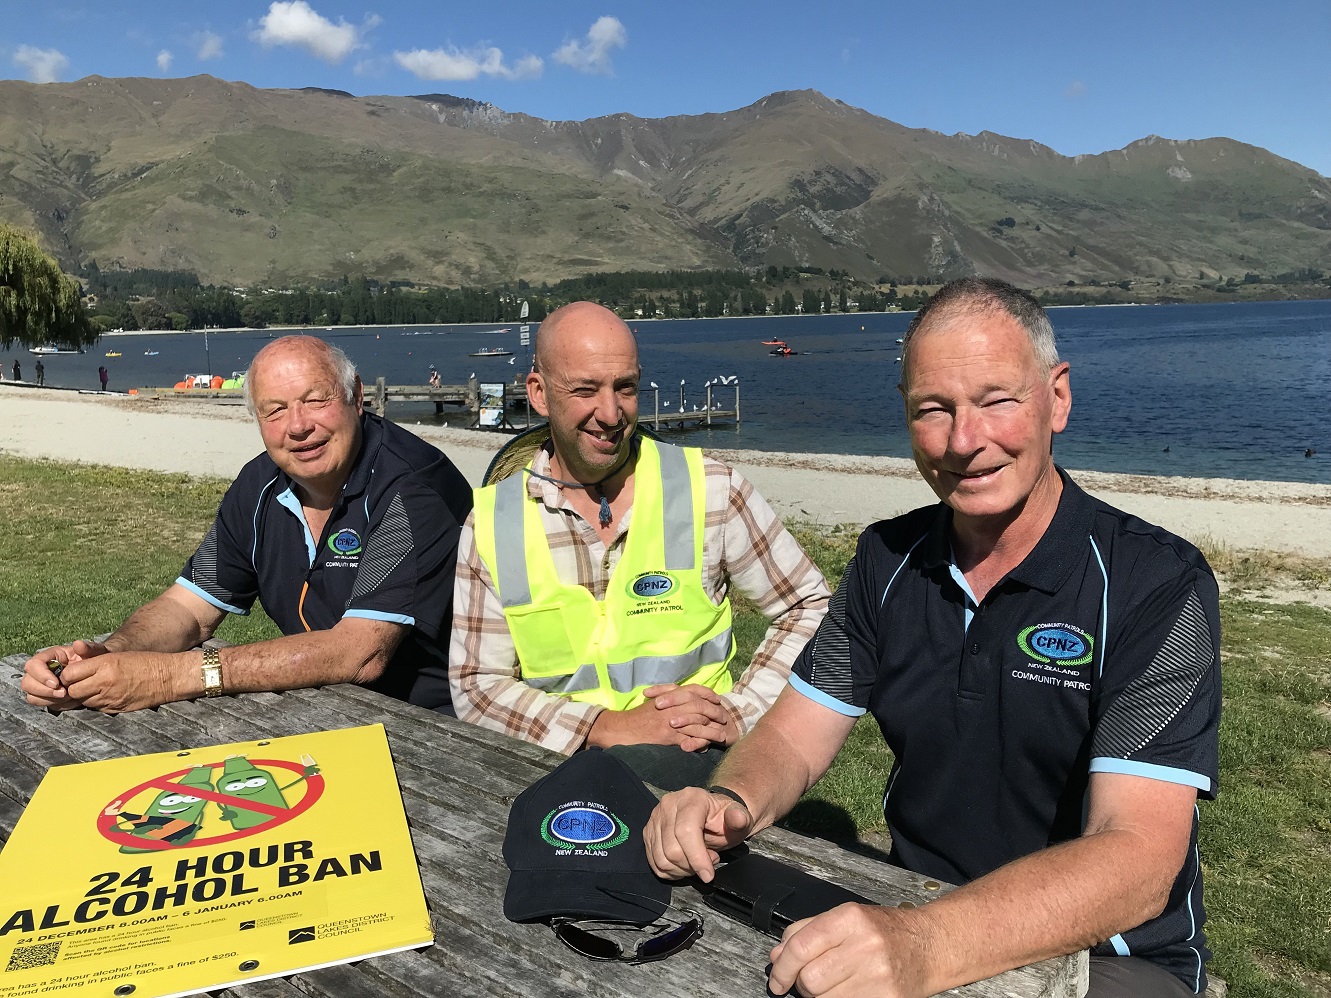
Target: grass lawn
{"type": "Point", "coordinates": [88, 545]}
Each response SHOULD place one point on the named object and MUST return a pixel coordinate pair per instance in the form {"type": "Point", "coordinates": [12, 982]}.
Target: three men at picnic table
{"type": "Point", "coordinates": [345, 529]}
{"type": "Point", "coordinates": [1045, 668]}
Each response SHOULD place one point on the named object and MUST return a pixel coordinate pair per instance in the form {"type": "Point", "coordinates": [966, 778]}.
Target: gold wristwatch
{"type": "Point", "coordinates": [212, 673]}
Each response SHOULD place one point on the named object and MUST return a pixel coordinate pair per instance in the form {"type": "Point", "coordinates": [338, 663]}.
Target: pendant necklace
{"type": "Point", "coordinates": [604, 515]}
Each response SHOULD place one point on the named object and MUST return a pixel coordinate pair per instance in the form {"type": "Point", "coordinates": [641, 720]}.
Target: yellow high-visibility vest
{"type": "Point", "coordinates": [657, 623]}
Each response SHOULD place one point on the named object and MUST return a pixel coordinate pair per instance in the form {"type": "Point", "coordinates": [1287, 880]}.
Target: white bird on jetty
{"type": "Point", "coordinates": [511, 359]}
{"type": "Point", "coordinates": [655, 385]}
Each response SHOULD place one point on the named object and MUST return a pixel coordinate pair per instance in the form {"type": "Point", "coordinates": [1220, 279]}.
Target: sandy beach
{"type": "Point", "coordinates": [208, 439]}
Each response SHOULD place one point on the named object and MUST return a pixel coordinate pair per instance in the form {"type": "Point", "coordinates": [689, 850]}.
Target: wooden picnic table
{"type": "Point", "coordinates": [457, 783]}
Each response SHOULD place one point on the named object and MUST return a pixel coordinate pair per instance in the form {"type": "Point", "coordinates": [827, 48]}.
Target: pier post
{"type": "Point", "coordinates": [709, 403]}
{"type": "Point", "coordinates": [380, 397]}
{"type": "Point", "coordinates": [737, 402]}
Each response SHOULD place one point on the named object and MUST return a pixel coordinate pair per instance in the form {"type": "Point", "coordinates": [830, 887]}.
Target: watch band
{"type": "Point", "coordinates": [727, 792]}
{"type": "Point", "coordinates": [212, 673]}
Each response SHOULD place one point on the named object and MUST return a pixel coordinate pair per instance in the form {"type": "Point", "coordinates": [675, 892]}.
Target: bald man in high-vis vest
{"type": "Point", "coordinates": [592, 596]}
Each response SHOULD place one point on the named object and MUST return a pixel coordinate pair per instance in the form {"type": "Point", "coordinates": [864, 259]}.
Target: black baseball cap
{"type": "Point", "coordinates": [574, 845]}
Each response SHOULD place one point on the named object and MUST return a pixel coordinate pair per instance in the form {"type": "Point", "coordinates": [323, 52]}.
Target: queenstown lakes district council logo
{"type": "Point", "coordinates": [583, 829]}
{"type": "Point", "coordinates": [1058, 653]}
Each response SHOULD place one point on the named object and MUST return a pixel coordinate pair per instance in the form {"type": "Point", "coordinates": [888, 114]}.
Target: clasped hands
{"type": "Point", "coordinates": [693, 717]}
{"type": "Point", "coordinates": [92, 675]}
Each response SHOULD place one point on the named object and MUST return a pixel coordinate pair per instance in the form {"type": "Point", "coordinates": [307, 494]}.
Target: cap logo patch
{"type": "Point", "coordinates": [1065, 644]}
{"type": "Point", "coordinates": [651, 585]}
{"type": "Point", "coordinates": [576, 824]}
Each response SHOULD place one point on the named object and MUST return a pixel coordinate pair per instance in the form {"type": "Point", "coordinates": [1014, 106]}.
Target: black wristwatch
{"type": "Point", "coordinates": [727, 792]}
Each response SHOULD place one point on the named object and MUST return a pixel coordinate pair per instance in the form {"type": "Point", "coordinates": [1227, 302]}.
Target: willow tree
{"type": "Point", "coordinates": [38, 303]}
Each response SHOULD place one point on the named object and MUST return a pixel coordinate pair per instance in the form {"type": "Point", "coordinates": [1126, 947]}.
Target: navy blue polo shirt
{"type": "Point", "coordinates": [388, 552]}
{"type": "Point", "coordinates": [1100, 652]}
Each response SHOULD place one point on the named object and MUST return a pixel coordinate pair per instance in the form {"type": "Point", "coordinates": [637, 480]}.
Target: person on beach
{"type": "Point", "coordinates": [346, 530]}
{"type": "Point", "coordinates": [612, 547]}
{"type": "Point", "coordinates": [41, 372]}
{"type": "Point", "coordinates": [103, 375]}
{"type": "Point", "coordinates": [1045, 670]}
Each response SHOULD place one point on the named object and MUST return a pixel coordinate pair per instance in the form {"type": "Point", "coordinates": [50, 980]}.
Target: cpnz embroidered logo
{"type": "Point", "coordinates": [1064, 644]}
{"type": "Point", "coordinates": [585, 830]}
{"type": "Point", "coordinates": [651, 585]}
{"type": "Point", "coordinates": [345, 542]}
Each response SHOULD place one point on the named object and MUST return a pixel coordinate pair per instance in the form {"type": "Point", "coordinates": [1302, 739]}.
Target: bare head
{"type": "Point", "coordinates": [985, 394]}
{"type": "Point", "coordinates": [585, 381]}
{"type": "Point", "coordinates": [971, 297]}
{"type": "Point", "coordinates": [308, 402]}
{"type": "Point", "coordinates": [343, 370]}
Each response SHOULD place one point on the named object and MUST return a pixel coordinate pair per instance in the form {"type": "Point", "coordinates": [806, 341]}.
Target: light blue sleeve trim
{"type": "Point", "coordinates": [187, 584]}
{"type": "Point", "coordinates": [392, 618]}
{"type": "Point", "coordinates": [1166, 774]}
{"type": "Point", "coordinates": [1120, 946]}
{"type": "Point", "coordinates": [818, 696]}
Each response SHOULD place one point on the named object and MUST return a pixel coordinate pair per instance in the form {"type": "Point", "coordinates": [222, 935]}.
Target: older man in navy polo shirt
{"type": "Point", "coordinates": [1045, 669]}
{"type": "Point", "coordinates": [346, 529]}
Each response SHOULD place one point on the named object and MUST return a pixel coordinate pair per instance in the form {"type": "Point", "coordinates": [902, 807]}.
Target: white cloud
{"type": "Point", "coordinates": [163, 60]}
{"type": "Point", "coordinates": [210, 45]}
{"type": "Point", "coordinates": [297, 23]}
{"type": "Point", "coordinates": [1075, 89]}
{"type": "Point", "coordinates": [592, 55]}
{"type": "Point", "coordinates": [454, 64]}
{"type": "Point", "coordinates": [43, 65]}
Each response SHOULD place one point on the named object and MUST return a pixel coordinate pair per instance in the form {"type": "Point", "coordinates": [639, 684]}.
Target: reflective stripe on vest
{"type": "Point", "coordinates": [607, 652]}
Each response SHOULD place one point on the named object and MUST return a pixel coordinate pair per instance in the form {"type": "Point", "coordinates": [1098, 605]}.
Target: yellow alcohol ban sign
{"type": "Point", "coordinates": [180, 872]}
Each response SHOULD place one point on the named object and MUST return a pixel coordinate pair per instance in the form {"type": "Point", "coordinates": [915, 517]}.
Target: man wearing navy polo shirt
{"type": "Point", "coordinates": [1045, 669]}
{"type": "Point", "coordinates": [346, 529]}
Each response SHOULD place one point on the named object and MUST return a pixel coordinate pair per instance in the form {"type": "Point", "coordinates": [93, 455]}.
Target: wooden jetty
{"type": "Point", "coordinates": [516, 409]}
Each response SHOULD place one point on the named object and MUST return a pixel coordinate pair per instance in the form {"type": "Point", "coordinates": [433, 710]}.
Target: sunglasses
{"type": "Point", "coordinates": [580, 936]}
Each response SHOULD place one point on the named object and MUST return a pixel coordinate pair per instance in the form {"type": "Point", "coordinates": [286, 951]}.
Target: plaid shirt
{"type": "Point", "coordinates": [744, 545]}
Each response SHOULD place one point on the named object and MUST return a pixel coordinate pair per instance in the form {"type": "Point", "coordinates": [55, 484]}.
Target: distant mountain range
{"type": "Point", "coordinates": [246, 186]}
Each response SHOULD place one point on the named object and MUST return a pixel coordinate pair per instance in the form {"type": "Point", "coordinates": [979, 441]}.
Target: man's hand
{"type": "Point", "coordinates": [41, 684]}
{"type": "Point", "coordinates": [692, 717]}
{"type": "Point", "coordinates": [94, 677]}
{"type": "Point", "coordinates": [689, 828]}
{"type": "Point", "coordinates": [853, 949]}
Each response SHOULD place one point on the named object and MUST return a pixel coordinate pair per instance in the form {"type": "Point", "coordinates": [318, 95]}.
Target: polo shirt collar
{"type": "Point", "coordinates": [1050, 561]}
{"type": "Point", "coordinates": [371, 439]}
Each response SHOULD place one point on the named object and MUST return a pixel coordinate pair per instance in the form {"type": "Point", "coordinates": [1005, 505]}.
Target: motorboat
{"type": "Point", "coordinates": [49, 349]}
{"type": "Point", "coordinates": [491, 352]}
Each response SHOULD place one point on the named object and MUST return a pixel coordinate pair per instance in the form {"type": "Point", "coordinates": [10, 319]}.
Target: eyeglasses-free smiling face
{"type": "Point", "coordinates": [309, 430]}
{"type": "Point", "coordinates": [982, 412]}
{"type": "Point", "coordinates": [588, 388]}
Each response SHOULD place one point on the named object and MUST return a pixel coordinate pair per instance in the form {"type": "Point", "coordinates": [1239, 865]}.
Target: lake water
{"type": "Point", "coordinates": [1232, 390]}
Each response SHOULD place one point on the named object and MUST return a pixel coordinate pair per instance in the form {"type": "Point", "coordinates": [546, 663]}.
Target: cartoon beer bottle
{"type": "Point", "coordinates": [174, 817]}
{"type": "Point", "coordinates": [241, 778]}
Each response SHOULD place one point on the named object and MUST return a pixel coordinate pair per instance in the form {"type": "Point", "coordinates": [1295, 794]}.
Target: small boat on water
{"type": "Point", "coordinates": [491, 352]}
{"type": "Point", "coordinates": [49, 349]}
{"type": "Point", "coordinates": [151, 353]}
{"type": "Point", "coordinates": [113, 353]}
{"type": "Point", "coordinates": [774, 343]}
{"type": "Point", "coordinates": [491, 332]}
{"type": "Point", "coordinates": [782, 351]}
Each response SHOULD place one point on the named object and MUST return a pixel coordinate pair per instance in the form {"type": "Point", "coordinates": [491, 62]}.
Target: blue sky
{"type": "Point", "coordinates": [1080, 77]}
